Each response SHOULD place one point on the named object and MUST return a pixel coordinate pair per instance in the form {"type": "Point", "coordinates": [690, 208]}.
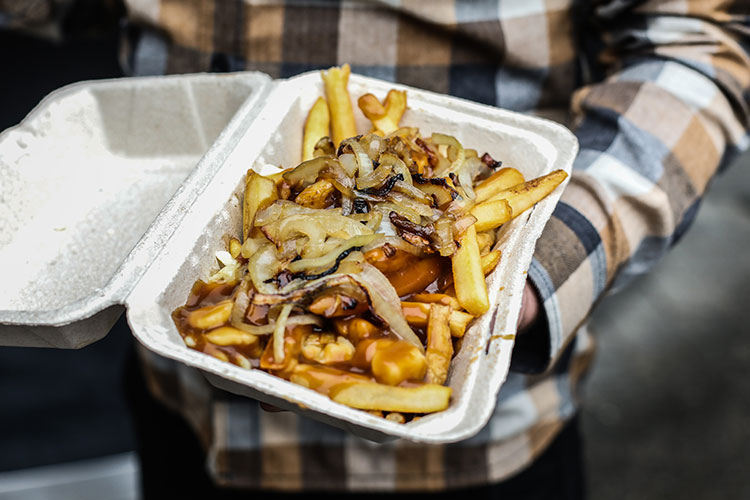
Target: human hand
{"type": "Point", "coordinates": [530, 307]}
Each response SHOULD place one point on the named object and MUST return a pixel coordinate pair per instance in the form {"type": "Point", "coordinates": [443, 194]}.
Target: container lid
{"type": "Point", "coordinates": [84, 177]}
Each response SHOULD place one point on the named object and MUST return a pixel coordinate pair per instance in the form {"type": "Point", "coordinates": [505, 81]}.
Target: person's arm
{"type": "Point", "coordinates": [671, 110]}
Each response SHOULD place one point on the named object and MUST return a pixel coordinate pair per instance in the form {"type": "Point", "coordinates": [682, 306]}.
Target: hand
{"type": "Point", "coordinates": [530, 307]}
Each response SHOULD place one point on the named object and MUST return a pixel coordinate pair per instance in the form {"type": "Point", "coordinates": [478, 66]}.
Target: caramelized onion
{"type": "Point", "coordinates": [284, 208]}
{"type": "Point", "coordinates": [308, 171]}
{"type": "Point", "coordinates": [242, 302]}
{"type": "Point", "coordinates": [278, 333]}
{"type": "Point", "coordinates": [376, 178]}
{"type": "Point", "coordinates": [397, 243]}
{"type": "Point", "coordinates": [407, 213]}
{"type": "Point", "coordinates": [466, 174]}
{"type": "Point", "coordinates": [398, 165]}
{"type": "Point", "coordinates": [364, 164]}
{"type": "Point", "coordinates": [404, 201]}
{"type": "Point", "coordinates": [385, 303]}
{"type": "Point", "coordinates": [444, 236]}
{"type": "Point", "coordinates": [263, 266]}
{"type": "Point", "coordinates": [453, 146]}
{"type": "Point", "coordinates": [327, 260]}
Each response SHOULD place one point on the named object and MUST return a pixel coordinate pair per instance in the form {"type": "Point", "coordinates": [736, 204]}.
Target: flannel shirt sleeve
{"type": "Point", "coordinates": [669, 112]}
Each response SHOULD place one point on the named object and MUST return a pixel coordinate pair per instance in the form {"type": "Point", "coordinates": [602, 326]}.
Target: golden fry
{"type": "Point", "coordinates": [490, 261]}
{"type": "Point", "coordinates": [396, 417]}
{"type": "Point", "coordinates": [491, 214]}
{"type": "Point", "coordinates": [235, 248]}
{"type": "Point", "coordinates": [213, 316]}
{"type": "Point", "coordinates": [468, 278]}
{"type": "Point", "coordinates": [385, 117]}
{"type": "Point", "coordinates": [416, 314]}
{"type": "Point", "coordinates": [395, 362]}
{"type": "Point", "coordinates": [369, 396]}
{"type": "Point", "coordinates": [278, 177]}
{"type": "Point", "coordinates": [228, 335]}
{"type": "Point", "coordinates": [437, 298]}
{"type": "Point", "coordinates": [259, 192]}
{"type": "Point", "coordinates": [336, 81]}
{"type": "Point", "coordinates": [485, 239]}
{"type": "Point", "coordinates": [316, 126]}
{"type": "Point", "coordinates": [439, 344]}
{"type": "Point", "coordinates": [323, 378]}
{"type": "Point", "coordinates": [499, 181]}
{"type": "Point", "coordinates": [524, 196]}
{"type": "Point", "coordinates": [291, 348]}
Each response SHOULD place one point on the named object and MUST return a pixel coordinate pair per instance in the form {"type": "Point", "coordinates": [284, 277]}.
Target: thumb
{"type": "Point", "coordinates": [530, 307]}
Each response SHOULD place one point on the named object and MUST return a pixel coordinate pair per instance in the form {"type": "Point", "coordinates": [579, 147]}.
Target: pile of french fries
{"type": "Point", "coordinates": [337, 346]}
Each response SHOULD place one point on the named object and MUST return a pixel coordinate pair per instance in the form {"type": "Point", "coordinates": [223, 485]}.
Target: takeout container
{"type": "Point", "coordinates": [91, 224]}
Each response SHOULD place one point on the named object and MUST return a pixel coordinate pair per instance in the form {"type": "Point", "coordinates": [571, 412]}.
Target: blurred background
{"type": "Point", "coordinates": [668, 399]}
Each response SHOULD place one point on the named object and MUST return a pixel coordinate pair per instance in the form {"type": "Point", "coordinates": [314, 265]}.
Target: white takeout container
{"type": "Point", "coordinates": [103, 206]}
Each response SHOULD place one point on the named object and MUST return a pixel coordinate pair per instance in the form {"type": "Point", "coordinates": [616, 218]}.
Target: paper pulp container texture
{"type": "Point", "coordinates": [154, 274]}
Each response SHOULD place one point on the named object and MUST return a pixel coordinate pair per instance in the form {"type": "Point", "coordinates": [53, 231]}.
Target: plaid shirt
{"type": "Point", "coordinates": [657, 93]}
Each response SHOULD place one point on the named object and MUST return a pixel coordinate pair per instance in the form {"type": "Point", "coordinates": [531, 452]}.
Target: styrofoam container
{"type": "Point", "coordinates": [155, 277]}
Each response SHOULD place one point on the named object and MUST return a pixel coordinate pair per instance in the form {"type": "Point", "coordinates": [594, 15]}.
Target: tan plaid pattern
{"type": "Point", "coordinates": [657, 93]}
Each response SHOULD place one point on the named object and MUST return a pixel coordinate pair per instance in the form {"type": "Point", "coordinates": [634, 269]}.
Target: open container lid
{"type": "Point", "coordinates": [119, 252]}
{"type": "Point", "coordinates": [84, 177]}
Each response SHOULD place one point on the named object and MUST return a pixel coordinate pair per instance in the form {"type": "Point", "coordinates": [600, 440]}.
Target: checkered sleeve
{"type": "Point", "coordinates": [670, 110]}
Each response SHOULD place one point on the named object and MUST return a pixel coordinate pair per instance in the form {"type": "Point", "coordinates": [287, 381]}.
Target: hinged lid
{"type": "Point", "coordinates": [84, 177]}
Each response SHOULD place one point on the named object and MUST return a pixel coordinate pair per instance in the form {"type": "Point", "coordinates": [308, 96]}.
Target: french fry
{"type": "Point", "coordinates": [396, 417]}
{"type": "Point", "coordinates": [416, 314]}
{"type": "Point", "coordinates": [523, 196]}
{"type": "Point", "coordinates": [387, 258]}
{"type": "Point", "coordinates": [490, 261]}
{"type": "Point", "coordinates": [385, 117]}
{"type": "Point", "coordinates": [278, 177]}
{"type": "Point", "coordinates": [395, 362]}
{"type": "Point", "coordinates": [259, 192]}
{"type": "Point", "coordinates": [437, 298]}
{"type": "Point", "coordinates": [468, 278]}
{"type": "Point", "coordinates": [439, 344]}
{"type": "Point", "coordinates": [316, 126]}
{"type": "Point", "coordinates": [499, 181]}
{"type": "Point", "coordinates": [291, 349]}
{"type": "Point", "coordinates": [356, 329]}
{"type": "Point", "coordinates": [228, 335]}
{"type": "Point", "coordinates": [368, 396]}
{"type": "Point", "coordinates": [336, 81]}
{"type": "Point", "coordinates": [323, 378]}
{"type": "Point", "coordinates": [492, 213]}
{"type": "Point", "coordinates": [416, 276]}
{"type": "Point", "coordinates": [213, 316]}
{"type": "Point", "coordinates": [235, 248]}
{"type": "Point", "coordinates": [485, 239]}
